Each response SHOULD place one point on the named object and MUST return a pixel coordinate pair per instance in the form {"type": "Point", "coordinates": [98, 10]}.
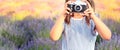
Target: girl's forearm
{"type": "Point", "coordinates": [102, 29]}
{"type": "Point", "coordinates": [57, 29]}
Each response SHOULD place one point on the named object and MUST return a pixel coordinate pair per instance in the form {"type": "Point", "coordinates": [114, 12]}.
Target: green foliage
{"type": "Point", "coordinates": [98, 40]}
{"type": "Point", "coordinates": [44, 34]}
{"type": "Point", "coordinates": [45, 47]}
{"type": "Point", "coordinates": [40, 47]}
{"type": "Point", "coordinates": [18, 40]}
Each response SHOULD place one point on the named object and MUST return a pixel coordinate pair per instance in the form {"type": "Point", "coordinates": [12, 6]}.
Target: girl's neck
{"type": "Point", "coordinates": [77, 16]}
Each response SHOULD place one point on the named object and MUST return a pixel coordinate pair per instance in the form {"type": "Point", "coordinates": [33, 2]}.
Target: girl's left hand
{"type": "Point", "coordinates": [89, 12]}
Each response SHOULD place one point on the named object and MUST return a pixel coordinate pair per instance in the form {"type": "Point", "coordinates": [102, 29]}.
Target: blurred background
{"type": "Point", "coordinates": [25, 24]}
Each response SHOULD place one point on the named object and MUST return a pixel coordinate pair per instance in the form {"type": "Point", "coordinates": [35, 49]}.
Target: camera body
{"type": "Point", "coordinates": [77, 6]}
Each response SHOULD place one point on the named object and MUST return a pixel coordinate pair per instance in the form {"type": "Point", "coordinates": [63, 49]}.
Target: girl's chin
{"type": "Point", "coordinates": [78, 13]}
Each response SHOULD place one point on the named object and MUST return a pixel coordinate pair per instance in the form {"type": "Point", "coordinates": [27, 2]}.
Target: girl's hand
{"type": "Point", "coordinates": [89, 12]}
{"type": "Point", "coordinates": [67, 11]}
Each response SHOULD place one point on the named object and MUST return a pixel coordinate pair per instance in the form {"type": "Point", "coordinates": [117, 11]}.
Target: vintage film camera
{"type": "Point", "coordinates": [77, 6]}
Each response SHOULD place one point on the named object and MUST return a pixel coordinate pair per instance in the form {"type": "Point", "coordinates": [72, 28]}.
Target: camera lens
{"type": "Point", "coordinates": [78, 8]}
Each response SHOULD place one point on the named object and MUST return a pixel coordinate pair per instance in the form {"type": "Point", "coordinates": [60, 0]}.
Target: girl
{"type": "Point", "coordinates": [79, 30]}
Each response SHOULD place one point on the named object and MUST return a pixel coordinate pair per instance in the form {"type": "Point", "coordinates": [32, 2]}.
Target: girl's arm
{"type": "Point", "coordinates": [102, 29]}
{"type": "Point", "coordinates": [57, 29]}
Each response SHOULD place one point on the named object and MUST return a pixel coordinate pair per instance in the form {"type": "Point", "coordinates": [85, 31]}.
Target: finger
{"type": "Point", "coordinates": [86, 14]}
{"type": "Point", "coordinates": [67, 12]}
{"type": "Point", "coordinates": [71, 13]}
{"type": "Point", "coordinates": [68, 9]}
{"type": "Point", "coordinates": [67, 3]}
{"type": "Point", "coordinates": [87, 10]}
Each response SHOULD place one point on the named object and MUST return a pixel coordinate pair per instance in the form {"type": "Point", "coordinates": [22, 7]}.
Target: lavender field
{"type": "Point", "coordinates": [26, 24]}
{"type": "Point", "coordinates": [33, 34]}
{"type": "Point", "coordinates": [28, 34]}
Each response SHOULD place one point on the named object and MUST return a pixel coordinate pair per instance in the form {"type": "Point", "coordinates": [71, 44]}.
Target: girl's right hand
{"type": "Point", "coordinates": [67, 11]}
